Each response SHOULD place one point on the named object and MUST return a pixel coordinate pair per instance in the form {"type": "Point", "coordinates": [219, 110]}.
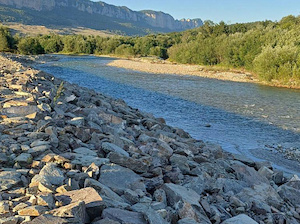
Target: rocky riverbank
{"type": "Point", "coordinates": [72, 155]}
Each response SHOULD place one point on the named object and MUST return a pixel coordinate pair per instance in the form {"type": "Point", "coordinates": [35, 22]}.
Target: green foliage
{"type": "Point", "coordinates": [6, 40]}
{"type": "Point", "coordinates": [30, 45]}
{"type": "Point", "coordinates": [280, 63]}
{"type": "Point", "coordinates": [51, 44]}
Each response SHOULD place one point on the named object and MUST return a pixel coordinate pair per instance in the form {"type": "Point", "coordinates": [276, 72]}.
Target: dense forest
{"type": "Point", "coordinates": [269, 49]}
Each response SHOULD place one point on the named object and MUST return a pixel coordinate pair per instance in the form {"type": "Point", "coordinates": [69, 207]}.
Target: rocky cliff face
{"type": "Point", "coordinates": [152, 18]}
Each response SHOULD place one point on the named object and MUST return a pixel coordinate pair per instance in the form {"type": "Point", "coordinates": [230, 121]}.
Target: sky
{"type": "Point", "coordinates": [229, 11]}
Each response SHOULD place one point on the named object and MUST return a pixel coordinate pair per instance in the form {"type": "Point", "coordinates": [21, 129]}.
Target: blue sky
{"type": "Point", "coordinates": [230, 11]}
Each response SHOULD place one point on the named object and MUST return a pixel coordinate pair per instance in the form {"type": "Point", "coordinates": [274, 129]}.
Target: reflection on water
{"type": "Point", "coordinates": [242, 116]}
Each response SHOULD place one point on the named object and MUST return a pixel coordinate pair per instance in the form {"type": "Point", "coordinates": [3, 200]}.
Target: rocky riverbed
{"type": "Point", "coordinates": [72, 155]}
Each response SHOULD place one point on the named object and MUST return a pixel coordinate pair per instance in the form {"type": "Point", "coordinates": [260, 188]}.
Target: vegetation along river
{"type": "Point", "coordinates": [243, 118]}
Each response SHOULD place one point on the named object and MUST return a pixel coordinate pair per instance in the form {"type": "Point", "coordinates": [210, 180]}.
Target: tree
{"type": "Point", "coordinates": [6, 40]}
{"type": "Point", "coordinates": [30, 45]}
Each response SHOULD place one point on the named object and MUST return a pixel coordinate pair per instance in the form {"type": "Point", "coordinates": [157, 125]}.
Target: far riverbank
{"type": "Point", "coordinates": [165, 67]}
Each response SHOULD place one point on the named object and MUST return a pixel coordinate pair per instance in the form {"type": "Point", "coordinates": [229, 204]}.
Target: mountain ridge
{"type": "Point", "coordinates": [150, 20]}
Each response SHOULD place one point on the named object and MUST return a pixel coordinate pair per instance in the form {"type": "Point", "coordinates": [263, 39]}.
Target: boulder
{"type": "Point", "coordinates": [9, 179]}
{"type": "Point", "coordinates": [85, 151]}
{"type": "Point", "coordinates": [53, 174]}
{"type": "Point", "coordinates": [102, 190]}
{"type": "Point", "coordinates": [119, 178]}
{"type": "Point", "coordinates": [90, 197]}
{"type": "Point", "coordinates": [4, 207]}
{"type": "Point", "coordinates": [149, 214]}
{"type": "Point", "coordinates": [248, 174]}
{"type": "Point", "coordinates": [128, 162]}
{"type": "Point", "coordinates": [9, 220]}
{"type": "Point", "coordinates": [74, 211]}
{"type": "Point", "coordinates": [289, 194]}
{"type": "Point", "coordinates": [188, 202]}
{"type": "Point", "coordinates": [109, 147]}
{"type": "Point", "coordinates": [240, 219]}
{"type": "Point", "coordinates": [24, 159]}
{"type": "Point", "coordinates": [123, 216]}
{"type": "Point", "coordinates": [36, 210]}
{"type": "Point", "coordinates": [48, 219]}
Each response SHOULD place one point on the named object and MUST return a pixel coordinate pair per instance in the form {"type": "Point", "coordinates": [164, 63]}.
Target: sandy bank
{"type": "Point", "coordinates": [180, 69]}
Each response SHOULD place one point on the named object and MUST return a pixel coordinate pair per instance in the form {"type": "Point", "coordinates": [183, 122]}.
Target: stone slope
{"type": "Point", "coordinates": [72, 155]}
{"type": "Point", "coordinates": [149, 18]}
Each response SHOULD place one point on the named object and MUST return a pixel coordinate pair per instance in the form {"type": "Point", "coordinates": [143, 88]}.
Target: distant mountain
{"type": "Point", "coordinates": [95, 15]}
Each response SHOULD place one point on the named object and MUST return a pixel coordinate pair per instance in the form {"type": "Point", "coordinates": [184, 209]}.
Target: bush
{"type": "Point", "coordinates": [279, 63]}
{"type": "Point", "coordinates": [30, 45]}
{"type": "Point", "coordinates": [6, 40]}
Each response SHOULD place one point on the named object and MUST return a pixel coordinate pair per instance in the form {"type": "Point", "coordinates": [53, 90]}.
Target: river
{"type": "Point", "coordinates": [244, 118]}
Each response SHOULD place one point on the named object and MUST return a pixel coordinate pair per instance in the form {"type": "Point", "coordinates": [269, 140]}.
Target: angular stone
{"type": "Point", "coordinates": [91, 198]}
{"type": "Point", "coordinates": [266, 172]}
{"type": "Point", "coordinates": [106, 221]}
{"type": "Point", "coordinates": [103, 190]}
{"type": "Point", "coordinates": [9, 220]}
{"type": "Point", "coordinates": [46, 188]}
{"type": "Point", "coordinates": [35, 151]}
{"type": "Point", "coordinates": [36, 210]}
{"type": "Point", "coordinates": [3, 158]}
{"type": "Point", "coordinates": [19, 111]}
{"type": "Point", "coordinates": [289, 194]}
{"type": "Point", "coordinates": [85, 151]}
{"type": "Point", "coordinates": [24, 159]}
{"type": "Point", "coordinates": [150, 215]}
{"type": "Point", "coordinates": [119, 178]}
{"type": "Point", "coordinates": [248, 174]}
{"type": "Point", "coordinates": [46, 200]}
{"type": "Point", "coordinates": [123, 216]}
{"type": "Point", "coordinates": [85, 160]}
{"type": "Point", "coordinates": [87, 195]}
{"type": "Point", "coordinates": [20, 207]}
{"type": "Point", "coordinates": [128, 162]}
{"type": "Point", "coordinates": [53, 174]}
{"type": "Point", "coordinates": [240, 219]}
{"type": "Point", "coordinates": [181, 162]}
{"type": "Point", "coordinates": [189, 202]}
{"type": "Point", "coordinates": [77, 121]}
{"type": "Point", "coordinates": [263, 193]}
{"type": "Point", "coordinates": [45, 107]}
{"type": "Point", "coordinates": [49, 219]}
{"type": "Point", "coordinates": [76, 211]}
{"type": "Point", "coordinates": [187, 221]}
{"type": "Point", "coordinates": [109, 147]}
{"type": "Point", "coordinates": [38, 143]}
{"type": "Point", "coordinates": [93, 171]}
{"type": "Point", "coordinates": [244, 159]}
{"type": "Point", "coordinates": [70, 98]}
{"type": "Point", "coordinates": [4, 207]}
{"type": "Point", "coordinates": [9, 179]}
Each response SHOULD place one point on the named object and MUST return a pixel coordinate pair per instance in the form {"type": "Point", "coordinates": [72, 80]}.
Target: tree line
{"type": "Point", "coordinates": [269, 49]}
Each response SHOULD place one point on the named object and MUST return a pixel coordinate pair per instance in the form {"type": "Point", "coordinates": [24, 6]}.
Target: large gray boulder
{"type": "Point", "coordinates": [109, 147]}
{"type": "Point", "coordinates": [123, 216]}
{"type": "Point", "coordinates": [119, 178]}
{"type": "Point", "coordinates": [186, 201]}
{"type": "Point", "coordinates": [9, 179]}
{"type": "Point", "coordinates": [53, 174]}
{"type": "Point", "coordinates": [240, 219]}
{"type": "Point", "coordinates": [128, 162]}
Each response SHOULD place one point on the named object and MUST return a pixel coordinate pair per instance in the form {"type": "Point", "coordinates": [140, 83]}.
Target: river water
{"type": "Point", "coordinates": [244, 118]}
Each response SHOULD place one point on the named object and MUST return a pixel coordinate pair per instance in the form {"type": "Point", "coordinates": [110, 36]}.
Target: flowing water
{"type": "Point", "coordinates": [244, 118]}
